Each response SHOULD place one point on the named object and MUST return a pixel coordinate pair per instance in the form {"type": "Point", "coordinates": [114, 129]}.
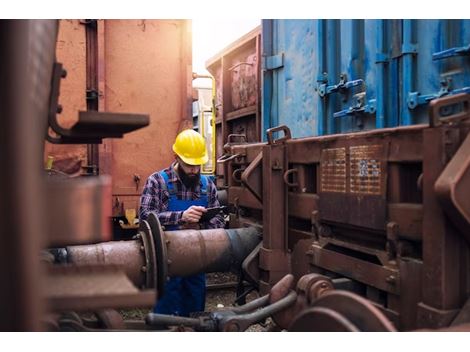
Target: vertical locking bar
{"type": "Point", "coordinates": [380, 66]}
{"type": "Point", "coordinates": [408, 50]}
{"type": "Point", "coordinates": [332, 38]}
{"type": "Point", "coordinates": [321, 106]}
{"type": "Point", "coordinates": [267, 50]}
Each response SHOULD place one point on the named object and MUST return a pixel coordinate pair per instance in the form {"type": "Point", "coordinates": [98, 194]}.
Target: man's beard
{"type": "Point", "coordinates": [189, 180]}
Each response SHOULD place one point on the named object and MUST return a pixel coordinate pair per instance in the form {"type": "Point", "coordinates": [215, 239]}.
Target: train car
{"type": "Point", "coordinates": [237, 73]}
{"type": "Point", "coordinates": [359, 185]}
{"type": "Point", "coordinates": [122, 66]}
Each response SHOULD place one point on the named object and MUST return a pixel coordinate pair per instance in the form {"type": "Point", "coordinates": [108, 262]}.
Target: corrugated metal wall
{"type": "Point", "coordinates": [334, 76]}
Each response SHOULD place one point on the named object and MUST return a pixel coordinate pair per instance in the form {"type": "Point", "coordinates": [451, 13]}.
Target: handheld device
{"type": "Point", "coordinates": [211, 212]}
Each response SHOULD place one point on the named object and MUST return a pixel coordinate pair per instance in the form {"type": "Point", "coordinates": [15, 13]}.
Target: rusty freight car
{"type": "Point", "coordinates": [371, 222]}
{"type": "Point", "coordinates": [112, 67]}
{"type": "Point", "coordinates": [237, 73]}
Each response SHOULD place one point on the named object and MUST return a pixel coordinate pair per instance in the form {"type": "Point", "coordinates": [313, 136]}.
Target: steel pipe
{"type": "Point", "coordinates": [218, 250]}
{"type": "Point", "coordinates": [127, 254]}
{"type": "Point", "coordinates": [155, 254]}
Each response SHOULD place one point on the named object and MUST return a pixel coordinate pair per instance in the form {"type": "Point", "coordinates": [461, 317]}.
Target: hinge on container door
{"type": "Point", "coordinates": [458, 51]}
{"type": "Point", "coordinates": [358, 106]}
{"type": "Point", "coordinates": [415, 98]}
{"type": "Point", "coordinates": [341, 87]}
{"type": "Point", "coordinates": [273, 62]}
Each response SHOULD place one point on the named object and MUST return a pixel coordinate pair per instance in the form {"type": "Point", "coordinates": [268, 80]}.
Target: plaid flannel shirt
{"type": "Point", "coordinates": [155, 198]}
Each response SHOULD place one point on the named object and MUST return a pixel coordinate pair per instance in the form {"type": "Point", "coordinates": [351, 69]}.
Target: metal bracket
{"type": "Point", "coordinates": [409, 49]}
{"type": "Point", "coordinates": [252, 175]}
{"type": "Point", "coordinates": [273, 62]}
{"type": "Point", "coordinates": [452, 52]}
{"type": "Point", "coordinates": [415, 98]}
{"type": "Point", "coordinates": [286, 178]}
{"type": "Point", "coordinates": [92, 126]}
{"type": "Point", "coordinates": [283, 128]}
{"type": "Point", "coordinates": [341, 87]}
{"type": "Point", "coordinates": [381, 58]}
{"type": "Point", "coordinates": [227, 157]}
{"type": "Point", "coordinates": [358, 107]}
{"type": "Point", "coordinates": [436, 106]}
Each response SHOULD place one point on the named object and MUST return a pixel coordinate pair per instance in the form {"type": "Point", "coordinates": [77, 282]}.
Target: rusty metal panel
{"type": "Point", "coordinates": [333, 170]}
{"type": "Point", "coordinates": [240, 61]}
{"type": "Point", "coordinates": [71, 52]}
{"type": "Point", "coordinates": [365, 169]}
{"type": "Point", "coordinates": [352, 183]}
{"type": "Point", "coordinates": [236, 70]}
{"type": "Point", "coordinates": [302, 205]}
{"type": "Point", "coordinates": [441, 243]}
{"type": "Point", "coordinates": [242, 196]}
{"type": "Point", "coordinates": [453, 187]}
{"type": "Point", "coordinates": [148, 70]}
{"type": "Point", "coordinates": [409, 218]}
{"type": "Point", "coordinates": [411, 282]}
{"type": "Point", "coordinates": [378, 276]}
{"type": "Point", "coordinates": [244, 80]}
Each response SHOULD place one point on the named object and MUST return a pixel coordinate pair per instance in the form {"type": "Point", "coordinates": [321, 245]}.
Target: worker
{"type": "Point", "coordinates": [179, 195]}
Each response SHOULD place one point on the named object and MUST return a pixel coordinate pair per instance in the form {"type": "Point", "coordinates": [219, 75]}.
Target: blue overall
{"type": "Point", "coordinates": [183, 295]}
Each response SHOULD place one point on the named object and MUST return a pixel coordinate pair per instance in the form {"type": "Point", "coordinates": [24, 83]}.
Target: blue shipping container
{"type": "Point", "coordinates": [336, 76]}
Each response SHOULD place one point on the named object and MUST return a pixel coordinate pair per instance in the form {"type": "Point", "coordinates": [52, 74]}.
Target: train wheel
{"type": "Point", "coordinates": [341, 311]}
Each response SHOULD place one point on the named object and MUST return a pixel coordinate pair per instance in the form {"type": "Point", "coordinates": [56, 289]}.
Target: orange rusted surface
{"type": "Point", "coordinates": [144, 66]}
{"type": "Point", "coordinates": [147, 70]}
{"type": "Point", "coordinates": [71, 51]}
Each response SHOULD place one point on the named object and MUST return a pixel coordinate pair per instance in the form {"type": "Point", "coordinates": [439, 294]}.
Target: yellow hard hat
{"type": "Point", "coordinates": [190, 146]}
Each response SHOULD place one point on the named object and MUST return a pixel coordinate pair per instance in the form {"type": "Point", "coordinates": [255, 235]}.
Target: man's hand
{"type": "Point", "coordinates": [193, 214]}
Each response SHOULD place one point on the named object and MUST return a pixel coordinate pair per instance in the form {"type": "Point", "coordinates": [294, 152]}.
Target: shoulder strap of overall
{"type": "Point", "coordinates": [168, 186]}
{"type": "Point", "coordinates": [204, 183]}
